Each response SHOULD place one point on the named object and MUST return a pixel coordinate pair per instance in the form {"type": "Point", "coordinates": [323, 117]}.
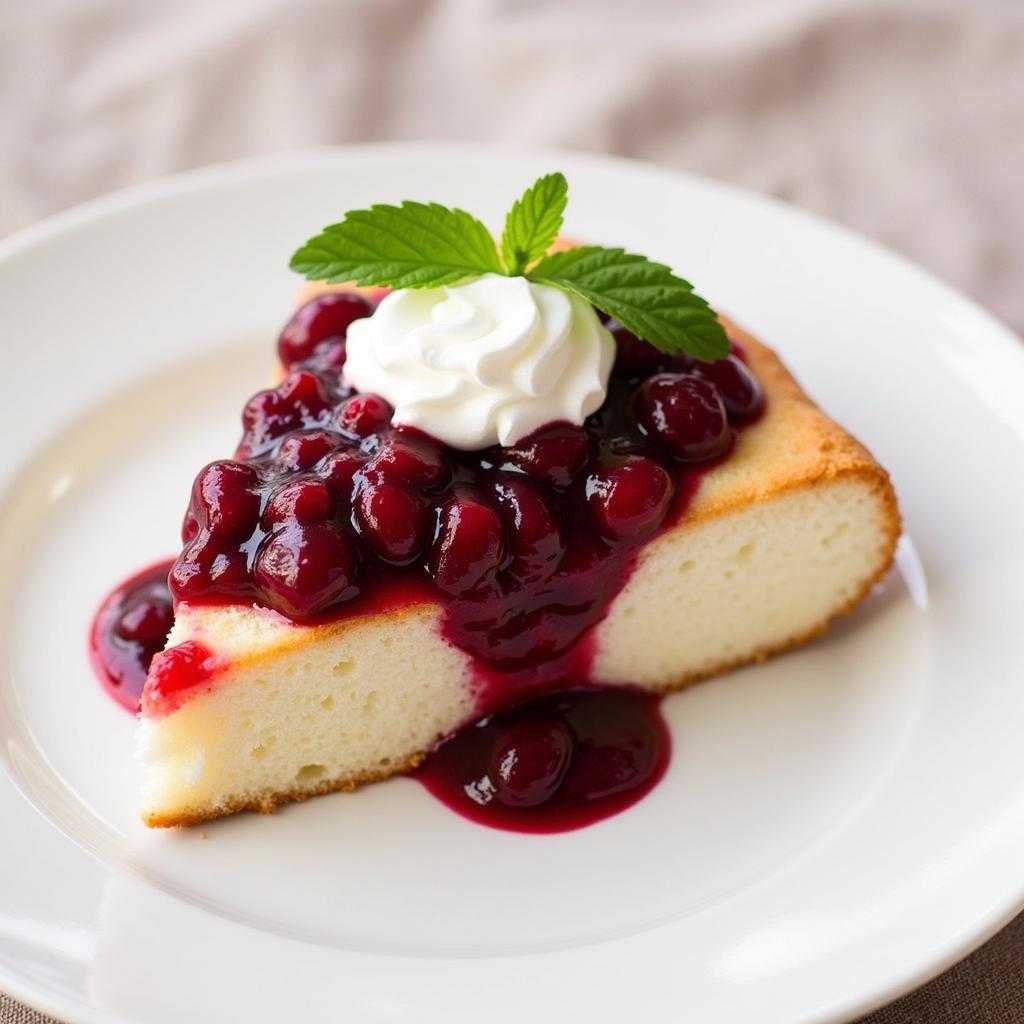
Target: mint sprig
{"type": "Point", "coordinates": [645, 297]}
{"type": "Point", "coordinates": [534, 221]}
{"type": "Point", "coordinates": [415, 245]}
{"type": "Point", "coordinates": [425, 245]}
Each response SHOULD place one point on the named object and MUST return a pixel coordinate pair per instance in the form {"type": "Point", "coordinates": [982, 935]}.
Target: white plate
{"type": "Point", "coordinates": [836, 825]}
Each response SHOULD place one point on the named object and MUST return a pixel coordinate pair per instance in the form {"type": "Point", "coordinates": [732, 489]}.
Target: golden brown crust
{"type": "Point", "coordinates": [268, 803]}
{"type": "Point", "coordinates": [794, 445]}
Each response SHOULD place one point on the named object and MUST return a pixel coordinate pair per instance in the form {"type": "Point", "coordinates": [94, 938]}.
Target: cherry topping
{"type": "Point", "coordinates": [684, 414]}
{"type": "Point", "coordinates": [528, 542]}
{"type": "Point", "coordinates": [629, 499]}
{"type": "Point", "coordinates": [325, 316]}
{"type": "Point", "coordinates": [189, 576]}
{"type": "Point", "coordinates": [305, 448]}
{"type": "Point", "coordinates": [470, 543]}
{"type": "Point", "coordinates": [633, 357]}
{"type": "Point", "coordinates": [392, 520]}
{"type": "Point", "coordinates": [414, 457]}
{"type": "Point", "coordinates": [147, 622]}
{"type": "Point", "coordinates": [535, 536]}
{"type": "Point", "coordinates": [339, 470]}
{"type": "Point", "coordinates": [190, 525]}
{"type": "Point", "coordinates": [554, 454]}
{"type": "Point", "coordinates": [204, 567]}
{"type": "Point", "coordinates": [304, 499]}
{"type": "Point", "coordinates": [300, 400]}
{"type": "Point", "coordinates": [229, 573]}
{"type": "Point", "coordinates": [530, 758]}
{"type": "Point", "coordinates": [560, 761]}
{"type": "Point", "coordinates": [738, 387]}
{"type": "Point", "coordinates": [129, 629]}
{"type": "Point", "coordinates": [616, 747]}
{"type": "Point", "coordinates": [225, 499]}
{"type": "Point", "coordinates": [305, 567]}
{"type": "Point", "coordinates": [363, 415]}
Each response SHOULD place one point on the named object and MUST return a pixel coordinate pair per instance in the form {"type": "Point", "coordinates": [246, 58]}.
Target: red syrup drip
{"type": "Point", "coordinates": [175, 673]}
{"type": "Point", "coordinates": [329, 511]}
{"type": "Point", "coordinates": [128, 629]}
{"type": "Point", "coordinates": [554, 763]}
{"type": "Point", "coordinates": [126, 643]}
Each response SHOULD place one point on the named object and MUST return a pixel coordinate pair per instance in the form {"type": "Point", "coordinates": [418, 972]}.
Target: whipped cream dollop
{"type": "Point", "coordinates": [484, 362]}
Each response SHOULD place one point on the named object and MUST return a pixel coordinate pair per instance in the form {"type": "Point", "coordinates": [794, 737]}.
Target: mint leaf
{"type": "Point", "coordinates": [415, 245]}
{"type": "Point", "coordinates": [533, 222]}
{"type": "Point", "coordinates": [645, 297]}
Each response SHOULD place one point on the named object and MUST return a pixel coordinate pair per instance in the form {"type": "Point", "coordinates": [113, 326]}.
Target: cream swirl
{"type": "Point", "coordinates": [485, 362]}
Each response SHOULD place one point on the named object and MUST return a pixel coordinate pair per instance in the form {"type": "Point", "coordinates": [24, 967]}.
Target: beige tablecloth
{"type": "Point", "coordinates": [903, 119]}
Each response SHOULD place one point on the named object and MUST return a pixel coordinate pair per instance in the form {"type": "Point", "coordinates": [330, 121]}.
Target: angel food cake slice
{"type": "Point", "coordinates": [509, 479]}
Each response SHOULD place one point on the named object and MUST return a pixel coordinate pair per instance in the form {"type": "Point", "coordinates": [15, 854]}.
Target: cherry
{"type": "Point", "coordinates": [634, 357]}
{"type": "Point", "coordinates": [303, 391]}
{"type": "Point", "coordinates": [414, 457]}
{"type": "Point", "coordinates": [206, 566]}
{"type": "Point", "coordinates": [322, 317]}
{"type": "Point", "coordinates": [303, 499]}
{"type": "Point", "coordinates": [130, 627]}
{"type": "Point", "coordinates": [190, 525]}
{"type": "Point", "coordinates": [629, 499]}
{"type": "Point", "coordinates": [303, 449]}
{"type": "Point", "coordinates": [685, 414]}
{"type": "Point", "coordinates": [225, 498]}
{"type": "Point", "coordinates": [190, 574]}
{"type": "Point", "coordinates": [470, 543]}
{"type": "Point", "coordinates": [391, 520]}
{"type": "Point", "coordinates": [738, 387]}
{"type": "Point", "coordinates": [265, 418]}
{"type": "Point", "coordinates": [229, 573]}
{"type": "Point", "coordinates": [616, 746]}
{"type": "Point", "coordinates": [300, 400]}
{"type": "Point", "coordinates": [530, 759]}
{"type": "Point", "coordinates": [363, 415]}
{"type": "Point", "coordinates": [147, 622]}
{"type": "Point", "coordinates": [554, 454]}
{"type": "Point", "coordinates": [556, 762]}
{"type": "Point", "coordinates": [339, 469]}
{"type": "Point", "coordinates": [328, 357]}
{"type": "Point", "coordinates": [535, 536]}
{"type": "Point", "coordinates": [304, 567]}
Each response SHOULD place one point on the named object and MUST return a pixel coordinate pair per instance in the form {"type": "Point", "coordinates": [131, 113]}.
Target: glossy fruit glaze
{"type": "Point", "coordinates": [327, 505]}
{"type": "Point", "coordinates": [555, 763]}
{"type": "Point", "coordinates": [128, 629]}
{"type": "Point", "coordinates": [329, 510]}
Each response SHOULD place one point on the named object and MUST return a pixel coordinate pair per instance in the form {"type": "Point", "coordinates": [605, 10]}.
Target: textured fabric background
{"type": "Point", "coordinates": [901, 118]}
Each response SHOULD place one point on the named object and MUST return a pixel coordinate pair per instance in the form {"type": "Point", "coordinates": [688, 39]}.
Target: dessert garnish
{"type": "Point", "coordinates": [502, 499]}
{"type": "Point", "coordinates": [426, 245]}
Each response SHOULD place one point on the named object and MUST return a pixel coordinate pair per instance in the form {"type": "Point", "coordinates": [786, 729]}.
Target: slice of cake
{"type": "Point", "coordinates": [454, 501]}
{"type": "Point", "coordinates": [789, 532]}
